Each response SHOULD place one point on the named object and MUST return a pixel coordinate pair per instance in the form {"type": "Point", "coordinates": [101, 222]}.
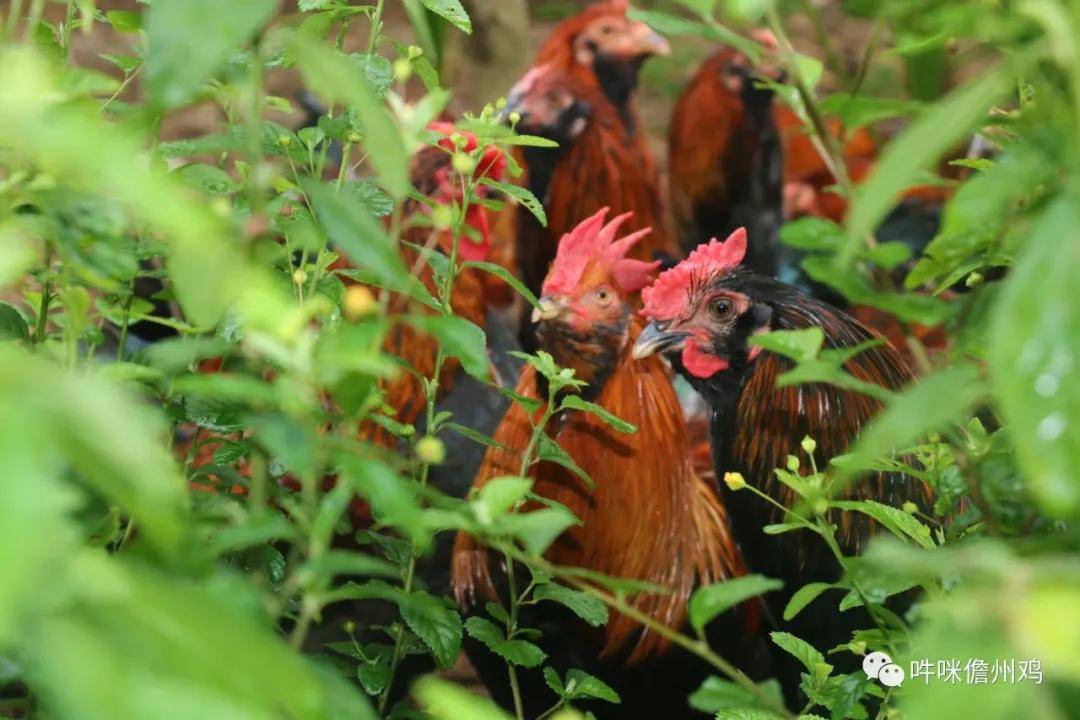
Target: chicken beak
{"type": "Point", "coordinates": [654, 339]}
{"type": "Point", "coordinates": [658, 44]}
{"type": "Point", "coordinates": [547, 308]}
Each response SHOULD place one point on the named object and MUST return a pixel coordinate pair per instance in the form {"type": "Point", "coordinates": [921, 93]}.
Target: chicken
{"type": "Point", "coordinates": [588, 68]}
{"type": "Point", "coordinates": [595, 166]}
{"type": "Point", "coordinates": [649, 516]}
{"type": "Point", "coordinates": [725, 158]}
{"type": "Point", "coordinates": [703, 312]}
{"type": "Point", "coordinates": [432, 176]}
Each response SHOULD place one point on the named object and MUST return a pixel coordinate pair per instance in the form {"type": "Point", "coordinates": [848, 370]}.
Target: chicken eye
{"type": "Point", "coordinates": [603, 296]}
{"type": "Point", "coordinates": [721, 307]}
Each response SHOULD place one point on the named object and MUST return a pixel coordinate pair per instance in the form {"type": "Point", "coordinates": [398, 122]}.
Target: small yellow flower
{"type": "Point", "coordinates": [430, 450]}
{"type": "Point", "coordinates": [359, 303]}
{"type": "Point", "coordinates": [734, 480]}
{"type": "Point", "coordinates": [299, 276]}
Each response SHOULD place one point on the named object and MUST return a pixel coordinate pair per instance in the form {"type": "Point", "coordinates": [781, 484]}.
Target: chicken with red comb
{"type": "Point", "coordinates": [703, 314]}
{"type": "Point", "coordinates": [646, 516]}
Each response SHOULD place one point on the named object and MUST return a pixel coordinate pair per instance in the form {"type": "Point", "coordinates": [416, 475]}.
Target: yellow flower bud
{"type": "Point", "coordinates": [359, 302]}
{"type": "Point", "coordinates": [809, 445]}
{"type": "Point", "coordinates": [910, 508]}
{"type": "Point", "coordinates": [442, 216]}
{"type": "Point", "coordinates": [859, 648]}
{"type": "Point", "coordinates": [463, 163]}
{"type": "Point", "coordinates": [515, 117]}
{"type": "Point", "coordinates": [402, 69]}
{"type": "Point", "coordinates": [734, 480]}
{"type": "Point", "coordinates": [430, 450]}
{"type": "Point", "coordinates": [299, 276]}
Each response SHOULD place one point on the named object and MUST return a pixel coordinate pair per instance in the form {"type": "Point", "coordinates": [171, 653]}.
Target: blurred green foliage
{"type": "Point", "coordinates": [167, 542]}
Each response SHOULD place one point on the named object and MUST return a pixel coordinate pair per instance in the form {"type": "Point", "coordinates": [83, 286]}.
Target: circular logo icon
{"type": "Point", "coordinates": [873, 663]}
{"type": "Point", "coordinates": [891, 675]}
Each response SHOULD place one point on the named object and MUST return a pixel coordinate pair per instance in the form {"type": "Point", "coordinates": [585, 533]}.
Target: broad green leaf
{"type": "Point", "coordinates": [515, 652]}
{"type": "Point", "coordinates": [1034, 341]}
{"type": "Point", "coordinates": [582, 685]}
{"type": "Point", "coordinates": [435, 622]}
{"type": "Point", "coordinates": [927, 405]}
{"type": "Point", "coordinates": [451, 11]}
{"type": "Point", "coordinates": [716, 694]}
{"type": "Point", "coordinates": [812, 233]}
{"type": "Point", "coordinates": [801, 650]}
{"type": "Point", "coordinates": [576, 403]}
{"type": "Point", "coordinates": [803, 597]}
{"type": "Point", "coordinates": [895, 520]}
{"type": "Point", "coordinates": [855, 111]}
{"type": "Point", "coordinates": [459, 338]}
{"type": "Point", "coordinates": [590, 609]}
{"type": "Point", "coordinates": [550, 451]}
{"type": "Point", "coordinates": [536, 530]}
{"type": "Point", "coordinates": [337, 78]}
{"type": "Point", "coordinates": [798, 345]}
{"type": "Point", "coordinates": [709, 601]}
{"type": "Point", "coordinates": [174, 71]}
{"type": "Point", "coordinates": [12, 324]}
{"type": "Point", "coordinates": [499, 495]}
{"type": "Point", "coordinates": [920, 145]}
{"type": "Point", "coordinates": [444, 700]}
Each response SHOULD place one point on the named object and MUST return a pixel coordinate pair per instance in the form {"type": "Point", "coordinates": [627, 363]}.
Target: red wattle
{"type": "Point", "coordinates": [700, 363]}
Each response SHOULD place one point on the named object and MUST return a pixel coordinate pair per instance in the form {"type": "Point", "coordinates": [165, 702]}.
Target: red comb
{"type": "Point", "coordinates": [594, 242]}
{"type": "Point", "coordinates": [666, 298]}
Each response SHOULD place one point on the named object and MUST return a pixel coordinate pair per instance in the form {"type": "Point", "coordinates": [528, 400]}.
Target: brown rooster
{"type": "Point", "coordinates": [589, 65]}
{"type": "Point", "coordinates": [703, 313]}
{"type": "Point", "coordinates": [725, 158]}
{"type": "Point", "coordinates": [649, 516]}
{"type": "Point", "coordinates": [594, 167]}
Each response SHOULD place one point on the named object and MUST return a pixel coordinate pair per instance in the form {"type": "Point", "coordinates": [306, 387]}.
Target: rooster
{"type": "Point", "coordinates": [580, 94]}
{"type": "Point", "coordinates": [595, 166]}
{"type": "Point", "coordinates": [725, 158]}
{"type": "Point", "coordinates": [648, 516]}
{"type": "Point", "coordinates": [703, 313]}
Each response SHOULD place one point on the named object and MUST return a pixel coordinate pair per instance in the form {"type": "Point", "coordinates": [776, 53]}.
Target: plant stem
{"type": "Point", "coordinates": [125, 321]}
{"type": "Point", "coordinates": [376, 27]}
{"type": "Point", "coordinates": [46, 297]}
{"type": "Point", "coordinates": [36, 8]}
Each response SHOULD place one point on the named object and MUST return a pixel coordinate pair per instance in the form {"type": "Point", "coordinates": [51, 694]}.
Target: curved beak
{"type": "Point", "coordinates": [647, 41]}
{"type": "Point", "coordinates": [547, 308]}
{"type": "Point", "coordinates": [654, 339]}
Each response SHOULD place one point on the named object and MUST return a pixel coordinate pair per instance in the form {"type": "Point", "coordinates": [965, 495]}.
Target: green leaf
{"type": "Point", "coordinates": [474, 435]}
{"type": "Point", "coordinates": [444, 700]}
{"type": "Point", "coordinates": [173, 71]}
{"type": "Point", "coordinates": [435, 622]}
{"type": "Point", "coordinates": [506, 276]}
{"type": "Point", "coordinates": [801, 650]}
{"type": "Point", "coordinates": [12, 324]}
{"type": "Point", "coordinates": [123, 21]}
{"type": "Point", "coordinates": [590, 609]}
{"type": "Point", "coordinates": [582, 685]}
{"type": "Point", "coordinates": [709, 601]}
{"type": "Point", "coordinates": [337, 78]}
{"type": "Point", "coordinates": [1034, 341]}
{"type": "Point", "coordinates": [855, 111]}
{"type": "Point", "coordinates": [803, 597]}
{"type": "Point", "coordinates": [452, 12]}
{"type": "Point", "coordinates": [895, 520]}
{"type": "Point", "coordinates": [716, 694]}
{"type": "Point", "coordinates": [799, 345]}
{"type": "Point", "coordinates": [812, 233]}
{"type": "Point", "coordinates": [523, 195]}
{"type": "Point", "coordinates": [499, 495]}
{"type": "Point", "coordinates": [550, 451]}
{"type": "Point", "coordinates": [551, 677]}
{"type": "Point", "coordinates": [361, 237]}
{"type": "Point", "coordinates": [515, 652]}
{"type": "Point", "coordinates": [536, 530]}
{"type": "Point", "coordinates": [916, 149]}
{"type": "Point", "coordinates": [459, 338]}
{"type": "Point", "coordinates": [576, 403]}
{"type": "Point", "coordinates": [927, 405]}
